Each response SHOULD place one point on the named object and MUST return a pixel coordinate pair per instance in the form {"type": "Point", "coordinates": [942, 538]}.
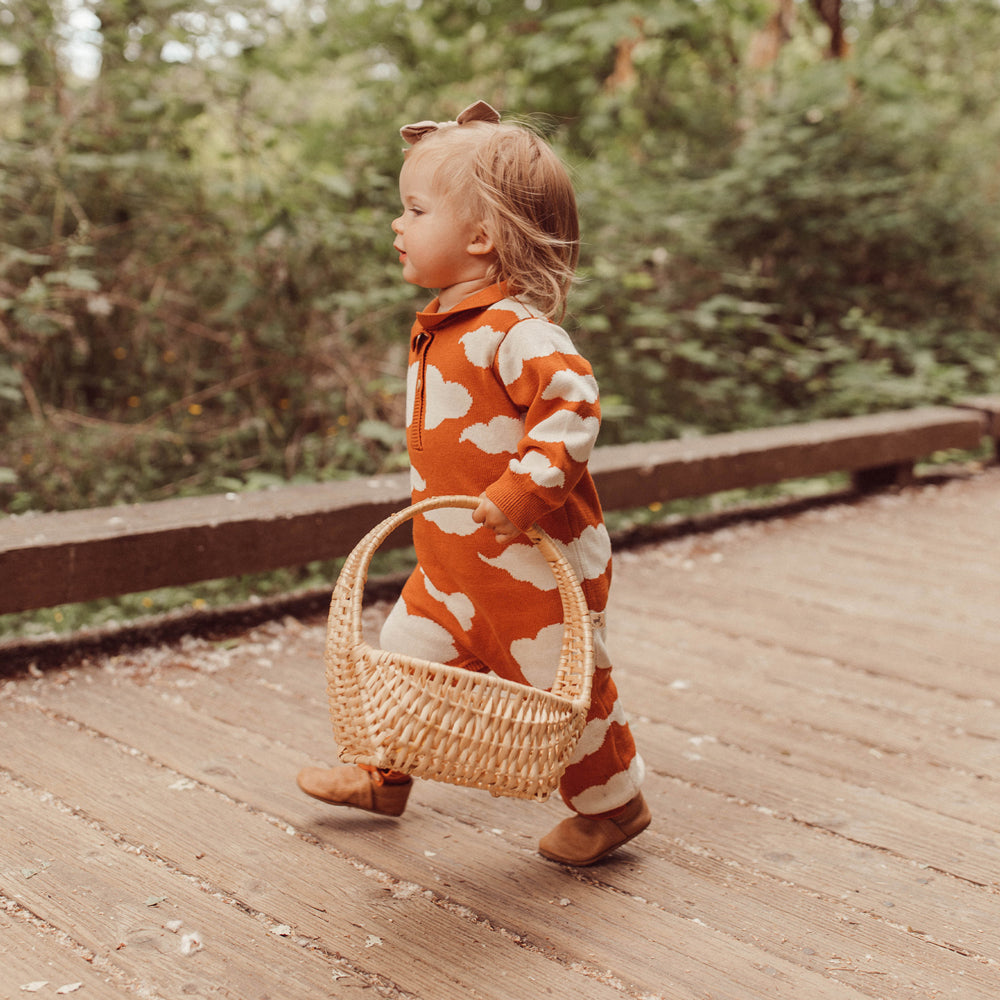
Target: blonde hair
{"type": "Point", "coordinates": [509, 179]}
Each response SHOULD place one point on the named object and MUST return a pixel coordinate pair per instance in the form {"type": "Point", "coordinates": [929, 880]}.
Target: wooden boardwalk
{"type": "Point", "coordinates": [818, 701]}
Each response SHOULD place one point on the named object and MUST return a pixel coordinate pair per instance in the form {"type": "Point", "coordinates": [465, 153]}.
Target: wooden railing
{"type": "Point", "coordinates": [66, 557]}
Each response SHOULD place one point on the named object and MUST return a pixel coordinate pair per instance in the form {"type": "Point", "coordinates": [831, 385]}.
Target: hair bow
{"type": "Point", "coordinates": [478, 112]}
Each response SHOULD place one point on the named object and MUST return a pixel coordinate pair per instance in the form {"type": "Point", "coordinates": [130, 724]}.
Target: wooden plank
{"type": "Point", "coordinates": [324, 896]}
{"type": "Point", "coordinates": [879, 622]}
{"type": "Point", "coordinates": [482, 878]}
{"type": "Point", "coordinates": [154, 927]}
{"type": "Point", "coordinates": [863, 813]}
{"type": "Point", "coordinates": [880, 901]}
{"type": "Point", "coordinates": [769, 616]}
{"type": "Point", "coordinates": [736, 587]}
{"type": "Point", "coordinates": [62, 558]}
{"type": "Point", "coordinates": [32, 954]}
{"type": "Point", "coordinates": [786, 859]}
{"type": "Point", "coordinates": [927, 765]}
{"type": "Point", "coordinates": [832, 704]}
{"type": "Point", "coordinates": [715, 904]}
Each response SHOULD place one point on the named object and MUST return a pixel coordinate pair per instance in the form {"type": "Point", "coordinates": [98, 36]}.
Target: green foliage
{"type": "Point", "coordinates": [197, 291]}
{"type": "Point", "coordinates": [847, 193]}
{"type": "Point", "coordinates": [842, 260]}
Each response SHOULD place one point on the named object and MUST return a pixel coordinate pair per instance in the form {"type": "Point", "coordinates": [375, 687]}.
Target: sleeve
{"type": "Point", "coordinates": [554, 388]}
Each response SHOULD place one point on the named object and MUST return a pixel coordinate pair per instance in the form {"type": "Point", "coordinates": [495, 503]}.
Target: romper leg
{"type": "Point", "coordinates": [601, 786]}
{"type": "Point", "coordinates": [606, 772]}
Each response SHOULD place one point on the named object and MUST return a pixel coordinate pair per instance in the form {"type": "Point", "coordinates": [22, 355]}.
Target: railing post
{"type": "Point", "coordinates": [989, 407]}
{"type": "Point", "coordinates": [881, 477]}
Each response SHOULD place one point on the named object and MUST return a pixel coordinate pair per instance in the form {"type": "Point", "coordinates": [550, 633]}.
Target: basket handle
{"type": "Point", "coordinates": [576, 667]}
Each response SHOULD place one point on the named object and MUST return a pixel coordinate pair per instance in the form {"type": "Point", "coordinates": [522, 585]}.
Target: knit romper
{"type": "Point", "coordinates": [499, 401]}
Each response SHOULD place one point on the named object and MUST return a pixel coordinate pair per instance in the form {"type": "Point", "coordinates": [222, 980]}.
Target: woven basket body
{"type": "Point", "coordinates": [446, 723]}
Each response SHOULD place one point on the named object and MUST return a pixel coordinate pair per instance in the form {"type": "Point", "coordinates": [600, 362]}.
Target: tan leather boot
{"type": "Point", "coordinates": [584, 840]}
{"type": "Point", "coordinates": [360, 787]}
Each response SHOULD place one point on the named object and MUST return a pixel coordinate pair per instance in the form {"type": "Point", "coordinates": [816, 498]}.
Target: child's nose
{"type": "Point", "coordinates": [397, 225]}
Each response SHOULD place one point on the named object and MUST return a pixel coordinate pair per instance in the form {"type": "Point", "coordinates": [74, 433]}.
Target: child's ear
{"type": "Point", "coordinates": [481, 244]}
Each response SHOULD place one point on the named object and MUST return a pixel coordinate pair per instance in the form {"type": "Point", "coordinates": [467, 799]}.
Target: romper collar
{"type": "Point", "coordinates": [430, 319]}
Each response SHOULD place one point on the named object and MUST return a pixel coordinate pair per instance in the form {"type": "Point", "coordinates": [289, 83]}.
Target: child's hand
{"type": "Point", "coordinates": [493, 517]}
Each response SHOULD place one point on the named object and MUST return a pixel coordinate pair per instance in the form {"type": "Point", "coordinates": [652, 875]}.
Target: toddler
{"type": "Point", "coordinates": [500, 405]}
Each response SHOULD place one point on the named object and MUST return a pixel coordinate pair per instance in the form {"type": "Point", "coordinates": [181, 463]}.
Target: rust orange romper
{"type": "Point", "coordinates": [499, 401]}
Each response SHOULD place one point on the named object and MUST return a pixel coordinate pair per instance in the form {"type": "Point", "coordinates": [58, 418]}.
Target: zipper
{"type": "Point", "coordinates": [420, 344]}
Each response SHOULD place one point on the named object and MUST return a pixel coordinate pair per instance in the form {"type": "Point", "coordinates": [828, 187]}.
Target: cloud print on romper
{"type": "Point", "coordinates": [444, 400]}
{"type": "Point", "coordinates": [623, 785]}
{"type": "Point", "coordinates": [453, 520]}
{"type": "Point", "coordinates": [501, 435]}
{"type": "Point", "coordinates": [576, 432]}
{"type": "Point", "coordinates": [481, 345]}
{"type": "Point", "coordinates": [573, 387]}
{"type": "Point", "coordinates": [595, 732]}
{"type": "Point", "coordinates": [541, 471]}
{"type": "Point", "coordinates": [589, 556]}
{"type": "Point", "coordinates": [461, 608]}
{"type": "Point", "coordinates": [531, 339]}
{"type": "Point", "coordinates": [538, 658]}
{"type": "Point", "coordinates": [525, 563]}
{"type": "Point", "coordinates": [416, 636]}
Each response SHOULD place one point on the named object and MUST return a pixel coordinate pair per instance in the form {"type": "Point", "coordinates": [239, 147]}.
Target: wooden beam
{"type": "Point", "coordinates": [72, 556]}
{"type": "Point", "coordinates": [63, 558]}
{"type": "Point", "coordinates": [637, 474]}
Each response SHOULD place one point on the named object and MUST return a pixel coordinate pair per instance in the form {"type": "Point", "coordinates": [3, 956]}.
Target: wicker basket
{"type": "Point", "coordinates": [448, 723]}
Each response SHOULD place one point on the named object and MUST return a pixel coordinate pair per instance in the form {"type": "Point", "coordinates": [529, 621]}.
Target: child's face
{"type": "Point", "coordinates": [439, 245]}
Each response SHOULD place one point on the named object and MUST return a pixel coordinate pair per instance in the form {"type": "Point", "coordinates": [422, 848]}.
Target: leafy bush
{"type": "Point", "coordinates": [197, 291]}
{"type": "Point", "coordinates": [841, 262]}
